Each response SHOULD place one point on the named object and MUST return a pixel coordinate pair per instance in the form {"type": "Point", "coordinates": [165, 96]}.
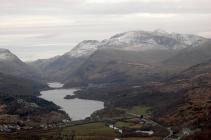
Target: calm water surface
{"type": "Point", "coordinates": [77, 109]}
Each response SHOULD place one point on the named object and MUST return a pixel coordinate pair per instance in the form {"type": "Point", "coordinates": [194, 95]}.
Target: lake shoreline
{"type": "Point", "coordinates": [76, 108]}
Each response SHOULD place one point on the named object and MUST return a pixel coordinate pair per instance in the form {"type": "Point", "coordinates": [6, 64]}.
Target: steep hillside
{"type": "Point", "coordinates": [20, 107]}
{"type": "Point", "coordinates": [191, 56]}
{"type": "Point", "coordinates": [12, 65]}
{"type": "Point", "coordinates": [118, 66]}
{"type": "Point", "coordinates": [195, 83]}
{"type": "Point", "coordinates": [58, 68]}
{"type": "Point", "coordinates": [10, 85]}
{"type": "Point", "coordinates": [183, 100]}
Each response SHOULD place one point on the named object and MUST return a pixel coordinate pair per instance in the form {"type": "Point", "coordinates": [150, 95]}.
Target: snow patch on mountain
{"type": "Point", "coordinates": [138, 41]}
{"type": "Point", "coordinates": [189, 40]}
{"type": "Point", "coordinates": [160, 32]}
{"type": "Point", "coordinates": [83, 49]}
{"type": "Point", "coordinates": [158, 39]}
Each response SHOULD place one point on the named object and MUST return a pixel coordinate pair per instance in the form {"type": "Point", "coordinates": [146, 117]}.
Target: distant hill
{"type": "Point", "coordinates": [12, 65]}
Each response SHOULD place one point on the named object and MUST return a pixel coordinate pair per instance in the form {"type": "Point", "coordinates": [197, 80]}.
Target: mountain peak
{"type": "Point", "coordinates": [2, 50]}
{"type": "Point", "coordinates": [160, 31]}
{"type": "Point", "coordinates": [84, 48]}
{"type": "Point", "coordinates": [130, 34]}
{"type": "Point", "coordinates": [6, 55]}
{"type": "Point", "coordinates": [158, 39]}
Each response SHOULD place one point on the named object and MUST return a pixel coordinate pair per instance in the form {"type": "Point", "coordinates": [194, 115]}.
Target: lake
{"type": "Point", "coordinates": [77, 109]}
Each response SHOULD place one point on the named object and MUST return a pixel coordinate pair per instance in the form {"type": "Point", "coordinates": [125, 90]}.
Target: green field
{"type": "Point", "coordinates": [139, 110]}
{"type": "Point", "coordinates": [91, 131]}
{"type": "Point", "coordinates": [121, 124]}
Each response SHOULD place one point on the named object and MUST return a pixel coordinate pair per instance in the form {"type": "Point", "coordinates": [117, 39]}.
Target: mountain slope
{"type": "Point", "coordinates": [12, 65]}
{"type": "Point", "coordinates": [58, 68]}
{"type": "Point", "coordinates": [84, 49]}
{"type": "Point", "coordinates": [10, 85]}
{"type": "Point", "coordinates": [191, 56]}
{"type": "Point", "coordinates": [195, 84]}
{"type": "Point", "coordinates": [117, 66]}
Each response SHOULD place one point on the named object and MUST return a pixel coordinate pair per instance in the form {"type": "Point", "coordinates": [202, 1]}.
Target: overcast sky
{"type": "Point", "coordinates": [35, 29]}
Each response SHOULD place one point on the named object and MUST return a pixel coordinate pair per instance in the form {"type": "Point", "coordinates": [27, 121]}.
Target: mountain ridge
{"type": "Point", "coordinates": [86, 62]}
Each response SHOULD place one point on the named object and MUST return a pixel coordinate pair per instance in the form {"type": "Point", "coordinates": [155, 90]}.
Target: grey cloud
{"type": "Point", "coordinates": [72, 7]}
{"type": "Point", "coordinates": [43, 28]}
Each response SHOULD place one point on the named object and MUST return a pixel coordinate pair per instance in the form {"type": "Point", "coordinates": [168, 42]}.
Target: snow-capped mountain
{"type": "Point", "coordinates": [158, 39]}
{"type": "Point", "coordinates": [83, 49]}
{"type": "Point", "coordinates": [93, 59]}
{"type": "Point", "coordinates": [138, 41]}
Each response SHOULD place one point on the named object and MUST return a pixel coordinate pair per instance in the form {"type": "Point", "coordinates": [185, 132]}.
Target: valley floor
{"type": "Point", "coordinates": [89, 131]}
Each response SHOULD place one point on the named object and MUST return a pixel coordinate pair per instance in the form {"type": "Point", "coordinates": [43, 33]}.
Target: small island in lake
{"type": "Point", "coordinates": [70, 97]}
